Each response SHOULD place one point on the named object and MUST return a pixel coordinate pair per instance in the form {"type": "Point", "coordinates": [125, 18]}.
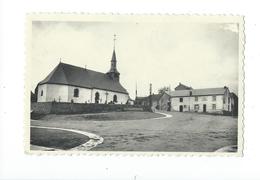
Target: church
{"type": "Point", "coordinates": [68, 83]}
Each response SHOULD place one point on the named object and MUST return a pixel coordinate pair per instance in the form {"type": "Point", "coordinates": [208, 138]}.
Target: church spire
{"type": "Point", "coordinates": [114, 51]}
{"type": "Point", "coordinates": [113, 73]}
{"type": "Point", "coordinates": [114, 42]}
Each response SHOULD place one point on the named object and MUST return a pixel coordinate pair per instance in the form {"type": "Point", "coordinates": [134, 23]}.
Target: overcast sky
{"type": "Point", "coordinates": [197, 55]}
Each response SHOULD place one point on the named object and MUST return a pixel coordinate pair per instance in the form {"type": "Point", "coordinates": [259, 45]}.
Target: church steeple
{"type": "Point", "coordinates": [113, 73]}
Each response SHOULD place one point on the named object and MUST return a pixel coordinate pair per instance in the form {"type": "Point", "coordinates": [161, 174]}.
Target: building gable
{"type": "Point", "coordinates": [182, 87]}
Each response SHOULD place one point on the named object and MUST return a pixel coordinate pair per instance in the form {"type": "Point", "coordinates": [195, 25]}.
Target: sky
{"type": "Point", "coordinates": [200, 55]}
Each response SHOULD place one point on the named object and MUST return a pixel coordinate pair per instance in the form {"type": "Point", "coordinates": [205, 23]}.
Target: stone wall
{"type": "Point", "coordinates": [75, 108]}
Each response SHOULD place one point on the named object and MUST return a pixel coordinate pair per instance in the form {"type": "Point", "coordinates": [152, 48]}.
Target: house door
{"type": "Point", "coordinates": [181, 108]}
{"type": "Point", "coordinates": [204, 108]}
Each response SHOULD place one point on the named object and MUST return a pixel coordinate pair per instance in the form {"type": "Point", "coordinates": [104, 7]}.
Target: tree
{"type": "Point", "coordinates": [163, 89]}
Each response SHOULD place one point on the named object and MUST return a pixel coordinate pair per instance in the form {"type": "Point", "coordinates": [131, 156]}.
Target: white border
{"type": "Point", "coordinates": [133, 18]}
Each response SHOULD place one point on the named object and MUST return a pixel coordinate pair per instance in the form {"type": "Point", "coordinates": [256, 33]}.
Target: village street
{"type": "Point", "coordinates": [180, 132]}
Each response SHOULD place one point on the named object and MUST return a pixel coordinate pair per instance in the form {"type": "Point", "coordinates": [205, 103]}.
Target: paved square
{"type": "Point", "coordinates": [183, 132]}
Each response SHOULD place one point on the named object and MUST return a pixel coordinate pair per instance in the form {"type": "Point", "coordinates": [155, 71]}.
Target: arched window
{"type": "Point", "coordinates": [115, 98]}
{"type": "Point", "coordinates": [76, 92]}
{"type": "Point", "coordinates": [41, 92]}
{"type": "Point", "coordinates": [97, 97]}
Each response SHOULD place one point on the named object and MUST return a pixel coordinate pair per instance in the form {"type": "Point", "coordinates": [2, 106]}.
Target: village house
{"type": "Point", "coordinates": [207, 100]}
{"type": "Point", "coordinates": [68, 83]}
{"type": "Point", "coordinates": [234, 104]}
{"type": "Point", "coordinates": [159, 101]}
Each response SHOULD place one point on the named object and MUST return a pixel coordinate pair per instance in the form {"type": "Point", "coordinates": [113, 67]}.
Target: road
{"type": "Point", "coordinates": [182, 132]}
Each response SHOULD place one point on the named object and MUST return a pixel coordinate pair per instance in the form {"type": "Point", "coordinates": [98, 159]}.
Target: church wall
{"type": "Point", "coordinates": [64, 93]}
{"type": "Point", "coordinates": [42, 89]}
{"type": "Point", "coordinates": [53, 92]}
{"type": "Point", "coordinates": [56, 92]}
{"type": "Point", "coordinates": [84, 95]}
{"type": "Point", "coordinates": [121, 98]}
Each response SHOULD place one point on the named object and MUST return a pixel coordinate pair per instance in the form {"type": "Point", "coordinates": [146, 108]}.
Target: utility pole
{"type": "Point", "coordinates": [150, 97]}
{"type": "Point", "coordinates": [135, 90]}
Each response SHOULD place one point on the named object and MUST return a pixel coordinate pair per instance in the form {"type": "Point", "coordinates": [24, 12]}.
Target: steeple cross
{"type": "Point", "coordinates": [114, 41]}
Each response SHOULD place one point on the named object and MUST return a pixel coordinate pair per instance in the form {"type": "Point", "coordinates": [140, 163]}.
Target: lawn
{"type": "Point", "coordinates": [183, 132]}
{"type": "Point", "coordinates": [112, 116]}
{"type": "Point", "coordinates": [57, 139]}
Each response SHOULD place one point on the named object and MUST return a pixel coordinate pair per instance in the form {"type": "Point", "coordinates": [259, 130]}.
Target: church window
{"type": "Point", "coordinates": [115, 98]}
{"type": "Point", "coordinates": [76, 92]}
{"type": "Point", "coordinates": [41, 92]}
{"type": "Point", "coordinates": [97, 97]}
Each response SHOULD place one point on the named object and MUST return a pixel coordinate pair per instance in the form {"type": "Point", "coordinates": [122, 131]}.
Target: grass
{"type": "Point", "coordinates": [58, 139]}
{"type": "Point", "coordinates": [183, 132]}
{"type": "Point", "coordinates": [112, 116]}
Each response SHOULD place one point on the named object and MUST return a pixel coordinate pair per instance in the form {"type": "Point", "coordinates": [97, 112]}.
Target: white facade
{"type": "Point", "coordinates": [210, 103]}
{"type": "Point", "coordinates": [65, 93]}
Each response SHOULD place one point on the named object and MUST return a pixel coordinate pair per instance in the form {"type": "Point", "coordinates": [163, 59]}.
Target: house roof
{"type": "Point", "coordinates": [155, 97]}
{"type": "Point", "coordinates": [141, 98]}
{"type": "Point", "coordinates": [76, 76]}
{"type": "Point", "coordinates": [179, 93]}
{"type": "Point", "coordinates": [197, 92]}
{"type": "Point", "coordinates": [182, 87]}
{"type": "Point", "coordinates": [208, 91]}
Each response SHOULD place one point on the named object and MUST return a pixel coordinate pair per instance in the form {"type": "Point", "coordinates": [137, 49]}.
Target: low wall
{"type": "Point", "coordinates": [76, 108]}
{"type": "Point", "coordinates": [41, 108]}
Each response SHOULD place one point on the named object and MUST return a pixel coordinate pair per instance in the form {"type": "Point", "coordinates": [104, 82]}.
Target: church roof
{"type": "Point", "coordinates": [113, 69]}
{"type": "Point", "coordinates": [76, 76]}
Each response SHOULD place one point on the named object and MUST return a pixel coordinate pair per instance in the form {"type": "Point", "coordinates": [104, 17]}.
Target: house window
{"type": "Point", "coordinates": [181, 99]}
{"type": "Point", "coordinates": [41, 92]}
{"type": "Point", "coordinates": [196, 98]}
{"type": "Point", "coordinates": [213, 98]}
{"type": "Point", "coordinates": [76, 92]}
{"type": "Point", "coordinates": [185, 106]}
{"type": "Point", "coordinates": [196, 107]}
{"type": "Point", "coordinates": [214, 107]}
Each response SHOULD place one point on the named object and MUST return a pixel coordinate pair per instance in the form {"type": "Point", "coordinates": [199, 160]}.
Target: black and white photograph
{"type": "Point", "coordinates": [155, 84]}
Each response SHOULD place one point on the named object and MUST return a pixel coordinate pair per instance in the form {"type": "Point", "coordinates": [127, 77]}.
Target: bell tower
{"type": "Point", "coordinates": [113, 73]}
